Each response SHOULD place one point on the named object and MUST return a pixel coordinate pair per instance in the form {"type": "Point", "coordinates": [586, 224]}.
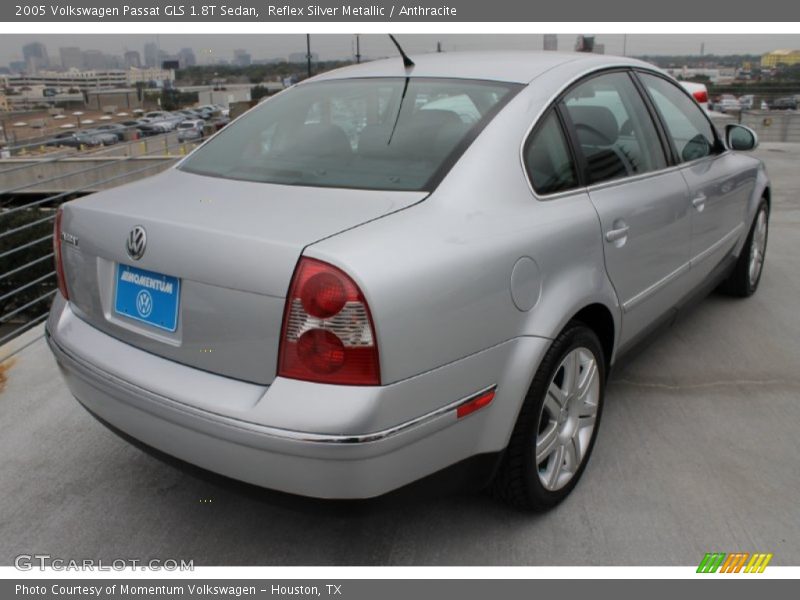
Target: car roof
{"type": "Point", "coordinates": [506, 66]}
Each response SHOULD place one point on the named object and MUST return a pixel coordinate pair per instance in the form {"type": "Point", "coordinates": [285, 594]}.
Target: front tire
{"type": "Point", "coordinates": [557, 425]}
{"type": "Point", "coordinates": [746, 275]}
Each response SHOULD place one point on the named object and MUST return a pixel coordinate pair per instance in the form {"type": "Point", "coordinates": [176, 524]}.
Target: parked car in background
{"type": "Point", "coordinates": [727, 103]}
{"type": "Point", "coordinates": [133, 126]}
{"type": "Point", "coordinates": [118, 129]}
{"type": "Point", "coordinates": [159, 115]}
{"type": "Point", "coordinates": [746, 101]}
{"type": "Point", "coordinates": [218, 123]}
{"type": "Point", "coordinates": [213, 110]}
{"type": "Point", "coordinates": [167, 120]}
{"type": "Point", "coordinates": [187, 113]}
{"type": "Point", "coordinates": [76, 139]}
{"type": "Point", "coordinates": [339, 317]}
{"type": "Point", "coordinates": [698, 91]}
{"type": "Point", "coordinates": [787, 103]}
{"type": "Point", "coordinates": [191, 129]}
{"type": "Point", "coordinates": [106, 138]}
{"type": "Point", "coordinates": [150, 127]}
{"type": "Point", "coordinates": [201, 113]}
{"type": "Point", "coordinates": [209, 108]}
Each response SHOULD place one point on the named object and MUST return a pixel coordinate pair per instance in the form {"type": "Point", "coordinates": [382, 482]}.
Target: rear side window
{"type": "Point", "coordinates": [613, 127]}
{"type": "Point", "coordinates": [548, 159]}
{"type": "Point", "coordinates": [690, 131]}
{"type": "Point", "coordinates": [380, 133]}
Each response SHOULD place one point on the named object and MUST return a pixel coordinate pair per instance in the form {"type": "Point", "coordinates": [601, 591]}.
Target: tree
{"type": "Point", "coordinates": [258, 92]}
{"type": "Point", "coordinates": [173, 99]}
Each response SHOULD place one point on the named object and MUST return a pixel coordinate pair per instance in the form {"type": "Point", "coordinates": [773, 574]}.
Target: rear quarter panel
{"type": "Point", "coordinates": [437, 275]}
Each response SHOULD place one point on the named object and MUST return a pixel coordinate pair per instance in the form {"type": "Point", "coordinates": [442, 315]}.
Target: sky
{"type": "Point", "coordinates": [337, 46]}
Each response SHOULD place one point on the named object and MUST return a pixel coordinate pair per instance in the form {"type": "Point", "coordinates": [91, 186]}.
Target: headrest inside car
{"type": "Point", "coordinates": [595, 125]}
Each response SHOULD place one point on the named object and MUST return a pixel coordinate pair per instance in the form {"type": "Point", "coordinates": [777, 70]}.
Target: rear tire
{"type": "Point", "coordinates": [557, 425]}
{"type": "Point", "coordinates": [746, 275]}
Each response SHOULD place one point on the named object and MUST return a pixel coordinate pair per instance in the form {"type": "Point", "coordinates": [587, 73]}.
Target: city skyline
{"type": "Point", "coordinates": [240, 49]}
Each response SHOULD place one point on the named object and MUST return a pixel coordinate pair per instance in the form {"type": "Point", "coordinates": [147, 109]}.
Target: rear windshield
{"type": "Point", "coordinates": [382, 133]}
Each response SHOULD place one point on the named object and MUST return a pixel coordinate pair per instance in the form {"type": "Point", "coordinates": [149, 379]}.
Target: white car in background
{"type": "Point", "coordinates": [698, 91]}
{"type": "Point", "coordinates": [191, 129]}
{"type": "Point", "coordinates": [727, 103]}
{"type": "Point", "coordinates": [746, 101]}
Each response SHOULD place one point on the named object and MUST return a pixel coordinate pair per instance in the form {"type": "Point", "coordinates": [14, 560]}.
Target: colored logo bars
{"type": "Point", "coordinates": [734, 562]}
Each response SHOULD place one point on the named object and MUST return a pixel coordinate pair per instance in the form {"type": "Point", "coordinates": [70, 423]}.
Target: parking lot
{"type": "Point", "coordinates": [697, 452]}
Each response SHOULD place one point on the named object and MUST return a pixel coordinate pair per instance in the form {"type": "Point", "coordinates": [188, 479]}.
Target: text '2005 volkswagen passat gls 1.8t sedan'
{"type": "Point", "coordinates": [395, 268]}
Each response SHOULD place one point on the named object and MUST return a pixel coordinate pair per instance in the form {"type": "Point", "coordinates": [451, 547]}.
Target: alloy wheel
{"type": "Point", "coordinates": [567, 419]}
{"type": "Point", "coordinates": [758, 247]}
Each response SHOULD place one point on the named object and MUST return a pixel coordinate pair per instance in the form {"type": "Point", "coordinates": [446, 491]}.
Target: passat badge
{"type": "Point", "coordinates": [69, 238]}
{"type": "Point", "coordinates": [137, 242]}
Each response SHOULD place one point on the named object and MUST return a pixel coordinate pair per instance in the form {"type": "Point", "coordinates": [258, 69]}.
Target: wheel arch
{"type": "Point", "coordinates": [598, 318]}
{"type": "Point", "coordinates": [761, 191]}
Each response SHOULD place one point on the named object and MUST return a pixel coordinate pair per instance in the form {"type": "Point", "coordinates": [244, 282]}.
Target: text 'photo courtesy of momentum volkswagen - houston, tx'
{"type": "Point", "coordinates": [404, 265]}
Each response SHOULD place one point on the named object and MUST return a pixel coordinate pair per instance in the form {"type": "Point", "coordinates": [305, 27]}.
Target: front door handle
{"type": "Point", "coordinates": [618, 234]}
{"type": "Point", "coordinates": [699, 202]}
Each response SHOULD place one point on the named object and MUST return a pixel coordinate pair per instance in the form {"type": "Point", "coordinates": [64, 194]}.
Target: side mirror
{"type": "Point", "coordinates": [739, 137]}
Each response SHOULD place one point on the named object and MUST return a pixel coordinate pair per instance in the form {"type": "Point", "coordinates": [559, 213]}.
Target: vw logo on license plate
{"type": "Point", "coordinates": [144, 303]}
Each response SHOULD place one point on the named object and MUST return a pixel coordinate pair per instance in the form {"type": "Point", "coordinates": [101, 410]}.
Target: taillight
{"type": "Point", "coordinates": [327, 334]}
{"type": "Point", "coordinates": [701, 96]}
{"type": "Point", "coordinates": [62, 282]}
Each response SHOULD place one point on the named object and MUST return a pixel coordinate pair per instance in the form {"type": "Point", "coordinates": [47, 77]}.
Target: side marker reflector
{"type": "Point", "coordinates": [477, 403]}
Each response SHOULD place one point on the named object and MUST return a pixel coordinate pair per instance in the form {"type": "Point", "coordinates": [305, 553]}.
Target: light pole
{"type": "Point", "coordinates": [308, 53]}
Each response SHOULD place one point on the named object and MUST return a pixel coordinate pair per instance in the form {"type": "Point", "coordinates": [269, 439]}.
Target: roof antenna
{"type": "Point", "coordinates": [407, 62]}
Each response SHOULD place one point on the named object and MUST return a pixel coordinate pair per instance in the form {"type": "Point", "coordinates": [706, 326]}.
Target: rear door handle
{"type": "Point", "coordinates": [614, 235]}
{"type": "Point", "coordinates": [699, 202]}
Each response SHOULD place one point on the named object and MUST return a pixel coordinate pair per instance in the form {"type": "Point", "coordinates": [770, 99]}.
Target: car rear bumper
{"type": "Point", "coordinates": [235, 429]}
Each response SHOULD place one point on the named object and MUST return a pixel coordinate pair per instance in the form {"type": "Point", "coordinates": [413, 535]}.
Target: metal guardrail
{"type": "Point", "coordinates": [774, 125]}
{"type": "Point", "coordinates": [27, 273]}
{"type": "Point", "coordinates": [769, 125]}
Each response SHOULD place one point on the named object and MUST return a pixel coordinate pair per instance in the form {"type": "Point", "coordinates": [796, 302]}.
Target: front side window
{"type": "Point", "coordinates": [381, 133]}
{"type": "Point", "coordinates": [548, 159]}
{"type": "Point", "coordinates": [690, 131]}
{"type": "Point", "coordinates": [613, 128]}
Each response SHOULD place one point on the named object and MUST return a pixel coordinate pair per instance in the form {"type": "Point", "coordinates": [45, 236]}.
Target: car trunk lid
{"type": "Point", "coordinates": [233, 246]}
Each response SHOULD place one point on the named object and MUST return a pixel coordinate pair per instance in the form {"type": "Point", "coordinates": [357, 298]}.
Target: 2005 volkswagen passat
{"type": "Point", "coordinates": [388, 270]}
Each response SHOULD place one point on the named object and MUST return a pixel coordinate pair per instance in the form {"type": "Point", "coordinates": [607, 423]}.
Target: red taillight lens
{"type": "Point", "coordinates": [62, 282]}
{"type": "Point", "coordinates": [327, 334]}
{"type": "Point", "coordinates": [321, 350]}
{"type": "Point", "coordinates": [323, 295]}
{"type": "Point", "coordinates": [701, 96]}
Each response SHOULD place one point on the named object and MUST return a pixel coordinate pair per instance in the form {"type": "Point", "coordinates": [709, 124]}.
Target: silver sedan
{"type": "Point", "coordinates": [394, 269]}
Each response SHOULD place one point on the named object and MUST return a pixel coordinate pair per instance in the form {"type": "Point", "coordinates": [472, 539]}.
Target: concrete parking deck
{"type": "Point", "coordinates": [698, 451]}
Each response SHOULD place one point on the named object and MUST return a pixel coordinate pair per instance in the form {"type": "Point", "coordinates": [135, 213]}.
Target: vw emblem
{"type": "Point", "coordinates": [144, 303]}
{"type": "Point", "coordinates": [137, 242]}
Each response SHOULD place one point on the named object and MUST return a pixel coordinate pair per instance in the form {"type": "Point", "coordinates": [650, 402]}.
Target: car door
{"type": "Point", "coordinates": [719, 182]}
{"type": "Point", "coordinates": [643, 206]}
